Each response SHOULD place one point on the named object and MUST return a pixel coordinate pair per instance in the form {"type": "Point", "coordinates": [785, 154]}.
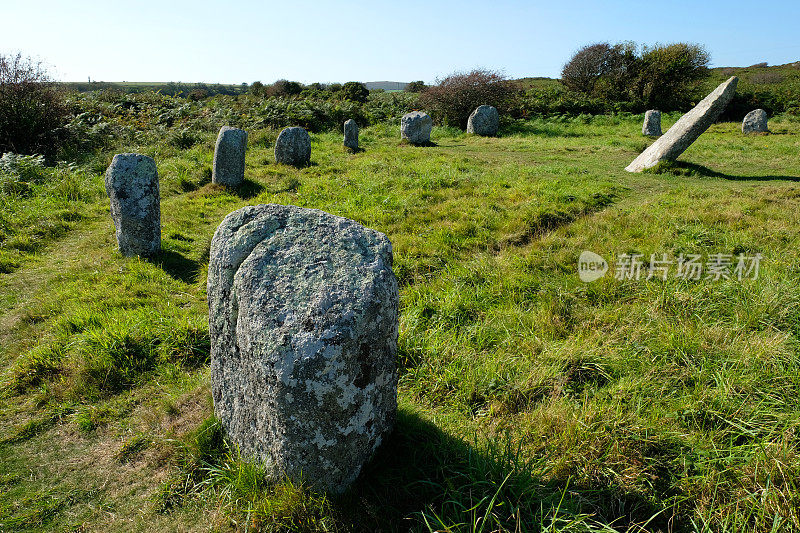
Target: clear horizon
{"type": "Point", "coordinates": [309, 41]}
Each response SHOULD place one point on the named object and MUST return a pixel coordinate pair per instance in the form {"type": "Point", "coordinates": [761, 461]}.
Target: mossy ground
{"type": "Point", "coordinates": [529, 400]}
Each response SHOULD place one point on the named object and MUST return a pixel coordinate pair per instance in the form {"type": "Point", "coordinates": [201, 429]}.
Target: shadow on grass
{"type": "Point", "coordinates": [527, 129]}
{"type": "Point", "coordinates": [248, 189]}
{"type": "Point", "coordinates": [429, 144]}
{"type": "Point", "coordinates": [422, 474]}
{"type": "Point", "coordinates": [681, 168]}
{"type": "Point", "coordinates": [176, 265]}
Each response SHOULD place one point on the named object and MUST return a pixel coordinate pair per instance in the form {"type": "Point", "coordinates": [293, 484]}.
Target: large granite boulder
{"type": "Point", "coordinates": [303, 317]}
{"type": "Point", "coordinates": [688, 128]}
{"type": "Point", "coordinates": [132, 187]}
{"type": "Point", "coordinates": [351, 134]}
{"type": "Point", "coordinates": [415, 127]}
{"type": "Point", "coordinates": [485, 120]}
{"type": "Point", "coordinates": [755, 122]}
{"type": "Point", "coordinates": [293, 147]}
{"type": "Point", "coordinates": [652, 123]}
{"type": "Point", "coordinates": [228, 167]}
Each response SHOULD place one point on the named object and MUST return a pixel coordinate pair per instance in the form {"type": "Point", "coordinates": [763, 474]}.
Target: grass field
{"type": "Point", "coordinates": [529, 400]}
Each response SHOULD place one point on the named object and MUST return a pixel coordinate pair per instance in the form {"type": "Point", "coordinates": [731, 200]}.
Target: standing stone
{"type": "Point", "coordinates": [755, 122]}
{"type": "Point", "coordinates": [485, 120]}
{"type": "Point", "coordinates": [229, 157]}
{"type": "Point", "coordinates": [303, 318]}
{"type": "Point", "coordinates": [132, 187]}
{"type": "Point", "coordinates": [688, 128]}
{"type": "Point", "coordinates": [652, 123]}
{"type": "Point", "coordinates": [293, 147]}
{"type": "Point", "coordinates": [351, 134]}
{"type": "Point", "coordinates": [416, 127]}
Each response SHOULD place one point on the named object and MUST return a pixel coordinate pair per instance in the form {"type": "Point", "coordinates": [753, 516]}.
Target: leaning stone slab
{"type": "Point", "coordinates": [228, 167]}
{"type": "Point", "coordinates": [351, 134]}
{"type": "Point", "coordinates": [688, 128]}
{"type": "Point", "coordinates": [293, 147]}
{"type": "Point", "coordinates": [303, 317]}
{"type": "Point", "coordinates": [485, 121]}
{"type": "Point", "coordinates": [652, 123]}
{"type": "Point", "coordinates": [755, 122]}
{"type": "Point", "coordinates": [415, 127]}
{"type": "Point", "coordinates": [132, 187]}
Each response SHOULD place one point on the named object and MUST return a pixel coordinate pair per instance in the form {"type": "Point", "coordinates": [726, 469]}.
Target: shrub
{"type": "Point", "coordinates": [599, 67]}
{"type": "Point", "coordinates": [32, 112]}
{"type": "Point", "coordinates": [667, 75]}
{"type": "Point", "coordinates": [284, 88]}
{"type": "Point", "coordinates": [257, 88]}
{"type": "Point", "coordinates": [355, 91]}
{"type": "Point", "coordinates": [661, 76]}
{"type": "Point", "coordinates": [198, 94]}
{"type": "Point", "coordinates": [453, 98]}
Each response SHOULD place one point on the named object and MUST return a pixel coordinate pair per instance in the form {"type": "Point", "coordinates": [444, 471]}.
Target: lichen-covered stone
{"type": "Point", "coordinates": [132, 187]}
{"type": "Point", "coordinates": [229, 152]}
{"type": "Point", "coordinates": [755, 122]}
{"type": "Point", "coordinates": [303, 321]}
{"type": "Point", "coordinates": [652, 123]}
{"type": "Point", "coordinates": [485, 120]}
{"type": "Point", "coordinates": [351, 134]}
{"type": "Point", "coordinates": [688, 128]}
{"type": "Point", "coordinates": [293, 147]}
{"type": "Point", "coordinates": [415, 127]}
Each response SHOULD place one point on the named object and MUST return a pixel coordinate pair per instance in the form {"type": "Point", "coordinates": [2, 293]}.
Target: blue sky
{"type": "Point", "coordinates": [243, 41]}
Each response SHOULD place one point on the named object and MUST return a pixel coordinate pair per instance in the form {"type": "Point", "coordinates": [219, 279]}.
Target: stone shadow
{"type": "Point", "coordinates": [176, 265]}
{"type": "Point", "coordinates": [419, 469]}
{"type": "Point", "coordinates": [681, 168]}
{"type": "Point", "coordinates": [527, 128]}
{"type": "Point", "coordinates": [248, 189]}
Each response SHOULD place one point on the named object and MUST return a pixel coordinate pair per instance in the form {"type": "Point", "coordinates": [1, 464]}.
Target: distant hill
{"type": "Point", "coordinates": [386, 85]}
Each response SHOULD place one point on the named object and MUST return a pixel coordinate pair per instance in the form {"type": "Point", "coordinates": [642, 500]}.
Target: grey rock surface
{"type": "Point", "coordinates": [755, 122]}
{"type": "Point", "coordinates": [415, 127]}
{"type": "Point", "coordinates": [351, 134]}
{"type": "Point", "coordinates": [652, 123]}
{"type": "Point", "coordinates": [293, 147]}
{"type": "Point", "coordinates": [303, 317]}
{"type": "Point", "coordinates": [229, 151]}
{"type": "Point", "coordinates": [688, 128]}
{"type": "Point", "coordinates": [485, 120]}
{"type": "Point", "coordinates": [132, 186]}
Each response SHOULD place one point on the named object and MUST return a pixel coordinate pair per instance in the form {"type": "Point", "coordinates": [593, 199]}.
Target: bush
{"type": "Point", "coordinates": [355, 91]}
{"type": "Point", "coordinates": [455, 97]}
{"type": "Point", "coordinates": [667, 75]}
{"type": "Point", "coordinates": [284, 88]}
{"type": "Point", "coordinates": [32, 112]}
{"type": "Point", "coordinates": [663, 76]}
{"type": "Point", "coordinates": [599, 69]}
{"type": "Point", "coordinates": [257, 88]}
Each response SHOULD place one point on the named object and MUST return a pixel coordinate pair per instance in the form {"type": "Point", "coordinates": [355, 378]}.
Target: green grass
{"type": "Point", "coordinates": [529, 400]}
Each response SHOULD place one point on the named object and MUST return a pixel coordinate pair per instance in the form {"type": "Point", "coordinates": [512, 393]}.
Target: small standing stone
{"type": "Point", "coordinates": [132, 187]}
{"type": "Point", "coordinates": [416, 127]}
{"type": "Point", "coordinates": [303, 318]}
{"type": "Point", "coordinates": [755, 122]}
{"type": "Point", "coordinates": [229, 157]}
{"type": "Point", "coordinates": [652, 124]}
{"type": "Point", "coordinates": [485, 121]}
{"type": "Point", "coordinates": [293, 147]}
{"type": "Point", "coordinates": [351, 134]}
